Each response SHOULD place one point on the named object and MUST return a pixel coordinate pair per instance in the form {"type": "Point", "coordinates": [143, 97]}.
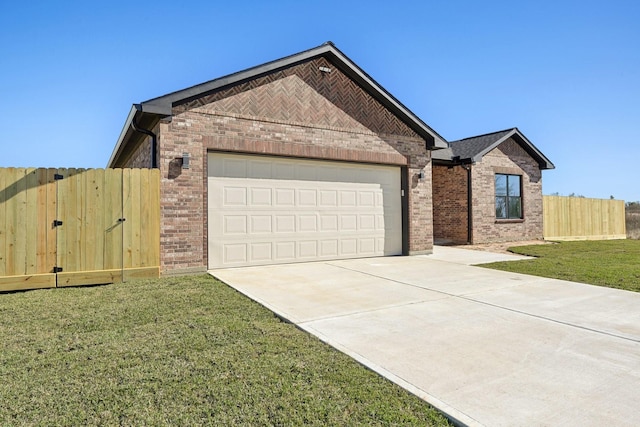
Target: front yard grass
{"type": "Point", "coordinates": [179, 351]}
{"type": "Point", "coordinates": [610, 263]}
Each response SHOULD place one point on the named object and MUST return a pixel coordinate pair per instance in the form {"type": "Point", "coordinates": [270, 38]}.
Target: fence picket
{"type": "Point", "coordinates": [3, 222]}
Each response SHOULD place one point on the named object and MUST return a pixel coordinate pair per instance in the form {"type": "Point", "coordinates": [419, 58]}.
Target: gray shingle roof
{"type": "Point", "coordinates": [471, 150]}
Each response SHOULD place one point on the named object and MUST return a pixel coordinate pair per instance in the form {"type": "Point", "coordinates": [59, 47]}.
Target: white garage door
{"type": "Point", "coordinates": [269, 210]}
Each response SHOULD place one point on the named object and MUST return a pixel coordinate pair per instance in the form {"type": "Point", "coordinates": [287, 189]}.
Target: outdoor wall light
{"type": "Point", "coordinates": [185, 160]}
{"type": "Point", "coordinates": [421, 175]}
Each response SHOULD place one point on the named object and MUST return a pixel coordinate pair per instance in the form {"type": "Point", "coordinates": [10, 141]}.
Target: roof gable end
{"type": "Point", "coordinates": [473, 149]}
{"type": "Point", "coordinates": [163, 105]}
{"type": "Point", "coordinates": [148, 113]}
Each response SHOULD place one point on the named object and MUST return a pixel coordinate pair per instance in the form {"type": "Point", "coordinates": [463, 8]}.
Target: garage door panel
{"type": "Point", "coordinates": [307, 249]}
{"type": "Point", "coordinates": [328, 223]}
{"type": "Point", "coordinates": [261, 196]}
{"type": "Point", "coordinates": [285, 251]}
{"type": "Point", "coordinates": [307, 197]}
{"type": "Point", "coordinates": [261, 224]}
{"type": "Point", "coordinates": [235, 196]}
{"type": "Point", "coordinates": [260, 252]}
{"type": "Point", "coordinates": [235, 253]}
{"type": "Point", "coordinates": [349, 247]}
{"type": "Point", "coordinates": [368, 198]}
{"type": "Point", "coordinates": [348, 222]}
{"type": "Point", "coordinates": [329, 248]}
{"type": "Point", "coordinates": [328, 198]}
{"type": "Point", "coordinates": [285, 197]}
{"type": "Point", "coordinates": [286, 210]}
{"type": "Point", "coordinates": [307, 224]}
{"type": "Point", "coordinates": [285, 223]}
{"type": "Point", "coordinates": [367, 246]}
{"type": "Point", "coordinates": [235, 224]}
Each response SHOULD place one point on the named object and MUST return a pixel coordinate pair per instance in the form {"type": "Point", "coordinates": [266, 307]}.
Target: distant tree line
{"type": "Point", "coordinates": [570, 195]}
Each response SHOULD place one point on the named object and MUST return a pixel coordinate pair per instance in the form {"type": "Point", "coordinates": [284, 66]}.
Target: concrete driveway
{"type": "Point", "coordinates": [486, 347]}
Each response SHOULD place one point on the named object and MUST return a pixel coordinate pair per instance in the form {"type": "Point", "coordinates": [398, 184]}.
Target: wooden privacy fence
{"type": "Point", "coordinates": [67, 227]}
{"type": "Point", "coordinates": [579, 218]}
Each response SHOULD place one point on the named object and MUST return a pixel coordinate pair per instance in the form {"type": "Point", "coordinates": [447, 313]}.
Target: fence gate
{"type": "Point", "coordinates": [68, 227]}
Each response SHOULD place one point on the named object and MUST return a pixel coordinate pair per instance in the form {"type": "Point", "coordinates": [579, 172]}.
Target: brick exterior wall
{"type": "Point", "coordinates": [450, 211]}
{"type": "Point", "coordinates": [298, 112]}
{"type": "Point", "coordinates": [141, 156]}
{"type": "Point", "coordinates": [509, 158]}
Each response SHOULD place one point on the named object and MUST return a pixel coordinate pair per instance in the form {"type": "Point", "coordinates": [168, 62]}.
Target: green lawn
{"type": "Point", "coordinates": [611, 263]}
{"type": "Point", "coordinates": [179, 351]}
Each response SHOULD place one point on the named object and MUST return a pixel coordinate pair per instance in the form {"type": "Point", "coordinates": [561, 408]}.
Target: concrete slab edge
{"type": "Point", "coordinates": [283, 316]}
{"type": "Point", "coordinates": [456, 417]}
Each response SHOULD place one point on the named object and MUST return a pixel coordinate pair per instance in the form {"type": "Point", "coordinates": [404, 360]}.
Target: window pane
{"type": "Point", "coordinates": [515, 207]}
{"type": "Point", "coordinates": [501, 207]}
{"type": "Point", "coordinates": [514, 185]}
{"type": "Point", "coordinates": [501, 185]}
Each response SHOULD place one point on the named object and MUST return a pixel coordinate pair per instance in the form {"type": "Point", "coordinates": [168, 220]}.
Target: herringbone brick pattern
{"type": "Point", "coordinates": [304, 94]}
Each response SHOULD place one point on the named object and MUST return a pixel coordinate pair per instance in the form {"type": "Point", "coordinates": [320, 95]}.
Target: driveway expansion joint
{"type": "Point", "coordinates": [463, 297]}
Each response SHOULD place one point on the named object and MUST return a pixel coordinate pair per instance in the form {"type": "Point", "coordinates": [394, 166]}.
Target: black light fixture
{"type": "Point", "coordinates": [421, 175]}
{"type": "Point", "coordinates": [185, 160]}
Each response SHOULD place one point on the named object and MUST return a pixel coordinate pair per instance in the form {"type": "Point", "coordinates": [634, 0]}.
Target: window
{"type": "Point", "coordinates": [508, 196]}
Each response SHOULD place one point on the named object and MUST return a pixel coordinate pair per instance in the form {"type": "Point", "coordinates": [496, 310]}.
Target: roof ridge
{"type": "Point", "coordinates": [485, 134]}
{"type": "Point", "coordinates": [239, 72]}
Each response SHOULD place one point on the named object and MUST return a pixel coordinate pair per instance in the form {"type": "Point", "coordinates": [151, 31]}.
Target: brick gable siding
{"type": "Point", "coordinates": [353, 108]}
{"type": "Point", "coordinates": [297, 112]}
{"type": "Point", "coordinates": [141, 156]}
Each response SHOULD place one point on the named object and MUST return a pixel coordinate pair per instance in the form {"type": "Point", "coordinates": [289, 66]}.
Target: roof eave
{"type": "Point", "coordinates": [533, 151]}
{"type": "Point", "coordinates": [119, 145]}
{"type": "Point", "coordinates": [543, 161]}
{"type": "Point", "coordinates": [149, 117]}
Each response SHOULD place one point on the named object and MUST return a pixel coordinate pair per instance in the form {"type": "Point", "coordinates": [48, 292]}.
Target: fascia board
{"type": "Point", "coordinates": [123, 132]}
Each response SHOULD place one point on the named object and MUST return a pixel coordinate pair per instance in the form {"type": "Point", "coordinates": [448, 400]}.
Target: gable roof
{"type": "Point", "coordinates": [148, 113]}
{"type": "Point", "coordinates": [471, 150]}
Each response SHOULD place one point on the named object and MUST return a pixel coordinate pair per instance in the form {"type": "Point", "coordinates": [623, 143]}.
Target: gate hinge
{"type": "Point", "coordinates": [57, 176]}
{"type": "Point", "coordinates": [57, 223]}
{"type": "Point", "coordinates": [57, 269]}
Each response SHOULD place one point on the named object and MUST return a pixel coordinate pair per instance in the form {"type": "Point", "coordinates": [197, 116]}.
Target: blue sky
{"type": "Point", "coordinates": [566, 73]}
